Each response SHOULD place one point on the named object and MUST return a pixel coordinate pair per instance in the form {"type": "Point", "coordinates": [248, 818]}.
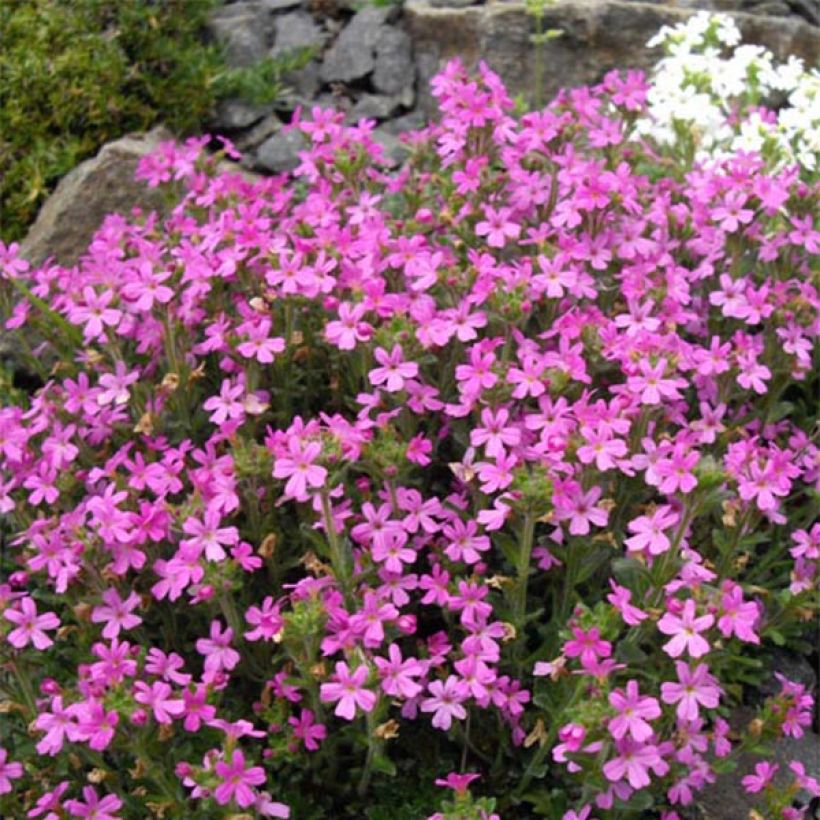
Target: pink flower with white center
{"type": "Point", "coordinates": [601, 448]}
{"type": "Point", "coordinates": [588, 645]}
{"type": "Point", "coordinates": [446, 701]}
{"type": "Point", "coordinates": [685, 629]}
{"type": "Point", "coordinates": [8, 771]}
{"type": "Point", "coordinates": [115, 613]}
{"type": "Point", "coordinates": [477, 375]}
{"type": "Point", "coordinates": [676, 470]}
{"type": "Point", "coordinates": [731, 215]}
{"type": "Point", "coordinates": [498, 476]}
{"type": "Point", "coordinates": [695, 688]}
{"type": "Point", "coordinates": [621, 599]}
{"type": "Point", "coordinates": [633, 713]}
{"type": "Point", "coordinates": [300, 470]}
{"type": "Point", "coordinates": [582, 512]}
{"type": "Point", "coordinates": [763, 777]}
{"type": "Point", "coordinates": [148, 288]}
{"type": "Point", "coordinates": [228, 404]}
{"type": "Point", "coordinates": [528, 379]}
{"type": "Point", "coordinates": [391, 549]}
{"type": "Point", "coordinates": [93, 807]}
{"type": "Point", "coordinates": [349, 329]}
{"type": "Point", "coordinates": [398, 674]}
{"type": "Point", "coordinates": [219, 655]}
{"type": "Point", "coordinates": [498, 227]}
{"type": "Point", "coordinates": [267, 620]}
{"type": "Point", "coordinates": [260, 345]}
{"type": "Point", "coordinates": [394, 369]}
{"type": "Point", "coordinates": [115, 385]}
{"type": "Point", "coordinates": [57, 723]}
{"type": "Point", "coordinates": [634, 762]}
{"type": "Point", "coordinates": [496, 432]}
{"type": "Point", "coordinates": [349, 690]}
{"type": "Point", "coordinates": [30, 626]}
{"type": "Point", "coordinates": [652, 385]}
{"type": "Point", "coordinates": [158, 698]}
{"type": "Point", "coordinates": [736, 616]}
{"type": "Point", "coordinates": [463, 541]}
{"type": "Point", "coordinates": [95, 314]}
{"type": "Point", "coordinates": [208, 535]}
{"type": "Point", "coordinates": [650, 531]}
{"type": "Point", "coordinates": [761, 485]}
{"type": "Point", "coordinates": [95, 726]}
{"type": "Point", "coordinates": [237, 780]}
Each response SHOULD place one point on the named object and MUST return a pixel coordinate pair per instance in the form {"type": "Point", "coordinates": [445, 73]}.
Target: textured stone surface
{"type": "Point", "coordinates": [352, 56]}
{"type": "Point", "coordinates": [394, 71]}
{"type": "Point", "coordinates": [244, 31]}
{"type": "Point", "coordinates": [598, 35]}
{"type": "Point", "coordinates": [101, 185]}
{"type": "Point", "coordinates": [280, 152]}
{"type": "Point", "coordinates": [295, 31]}
{"type": "Point", "coordinates": [234, 115]}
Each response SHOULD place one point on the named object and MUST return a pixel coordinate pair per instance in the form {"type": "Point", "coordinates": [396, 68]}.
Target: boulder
{"type": "Point", "coordinates": [295, 31]}
{"type": "Point", "coordinates": [244, 31]}
{"type": "Point", "coordinates": [598, 35]}
{"type": "Point", "coordinates": [101, 185]}
{"type": "Point", "coordinates": [280, 152]}
{"type": "Point", "coordinates": [353, 55]}
{"type": "Point", "coordinates": [394, 71]}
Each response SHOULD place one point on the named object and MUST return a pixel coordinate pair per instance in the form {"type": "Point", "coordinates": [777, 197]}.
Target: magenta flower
{"type": "Point", "coordinates": [736, 616]}
{"type": "Point", "coordinates": [349, 690]}
{"type": "Point", "coordinates": [299, 469]}
{"type": "Point", "coordinates": [94, 807]}
{"type": "Point", "coordinates": [207, 536]}
{"type": "Point", "coordinates": [9, 771]}
{"type": "Point", "coordinates": [587, 645]}
{"type": "Point", "coordinates": [498, 227]}
{"type": "Point", "coordinates": [157, 697]}
{"type": "Point", "coordinates": [446, 701]}
{"type": "Point", "coordinates": [463, 541]}
{"type": "Point", "coordinates": [398, 675]}
{"type": "Point", "coordinates": [116, 614]}
{"type": "Point", "coordinates": [634, 762]}
{"type": "Point", "coordinates": [307, 730]}
{"type": "Point", "coordinates": [762, 777]}
{"type": "Point", "coordinates": [650, 531]}
{"type": "Point", "coordinates": [237, 781]}
{"type": "Point", "coordinates": [653, 386]}
{"type": "Point", "coordinates": [633, 713]}
{"type": "Point", "coordinates": [695, 688]}
{"type": "Point", "coordinates": [685, 630]}
{"type": "Point", "coordinates": [459, 783]}
{"type": "Point", "coordinates": [30, 626]}
{"type": "Point", "coordinates": [267, 620]}
{"type": "Point", "coordinates": [394, 369]}
{"type": "Point", "coordinates": [217, 649]}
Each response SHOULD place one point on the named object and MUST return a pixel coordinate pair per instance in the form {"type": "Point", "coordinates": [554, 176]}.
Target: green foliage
{"type": "Point", "coordinates": [75, 74]}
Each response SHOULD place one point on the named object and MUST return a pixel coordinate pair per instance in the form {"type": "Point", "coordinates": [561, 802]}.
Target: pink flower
{"type": "Point", "coordinates": [207, 535]}
{"type": "Point", "coordinates": [94, 807]}
{"type": "Point", "coordinates": [621, 599]}
{"type": "Point", "coordinates": [736, 616]}
{"type": "Point", "coordinates": [582, 512]}
{"type": "Point", "coordinates": [349, 328]}
{"type": "Point", "coordinates": [397, 674]}
{"type": "Point", "coordinates": [116, 614]}
{"type": "Point", "coordinates": [446, 699]}
{"type": "Point", "coordinates": [763, 776]}
{"type": "Point", "coordinates": [498, 227]}
{"type": "Point", "coordinates": [237, 780]}
{"type": "Point", "coordinates": [685, 629]}
{"type": "Point", "coordinates": [158, 698]}
{"type": "Point", "coordinates": [650, 535]}
{"type": "Point", "coordinates": [496, 434]}
{"type": "Point", "coordinates": [300, 470]}
{"type": "Point", "coordinates": [588, 645]}
{"type": "Point", "coordinates": [696, 687]}
{"type": "Point", "coordinates": [30, 625]}
{"type": "Point", "coordinates": [393, 371]}
{"type": "Point", "coordinates": [459, 783]}
{"type": "Point", "coordinates": [463, 541]}
{"type": "Point", "coordinates": [267, 619]}
{"type": "Point", "coordinates": [227, 405]}
{"type": "Point", "coordinates": [633, 713]}
{"type": "Point", "coordinates": [634, 762]}
{"type": "Point", "coordinates": [307, 730]}
{"type": "Point", "coordinates": [8, 771]}
{"type": "Point", "coordinates": [217, 649]}
{"type": "Point", "coordinates": [652, 385]}
{"type": "Point", "coordinates": [349, 690]}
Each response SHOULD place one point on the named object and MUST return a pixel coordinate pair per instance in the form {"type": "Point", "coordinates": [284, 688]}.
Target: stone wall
{"type": "Point", "coordinates": [376, 61]}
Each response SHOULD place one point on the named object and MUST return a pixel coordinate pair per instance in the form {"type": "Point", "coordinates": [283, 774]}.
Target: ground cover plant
{"type": "Point", "coordinates": [483, 487]}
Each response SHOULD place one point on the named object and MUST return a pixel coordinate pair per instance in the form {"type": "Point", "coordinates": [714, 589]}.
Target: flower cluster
{"type": "Point", "coordinates": [505, 455]}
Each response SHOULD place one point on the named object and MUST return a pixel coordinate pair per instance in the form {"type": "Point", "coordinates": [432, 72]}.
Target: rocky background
{"type": "Point", "coordinates": [375, 61]}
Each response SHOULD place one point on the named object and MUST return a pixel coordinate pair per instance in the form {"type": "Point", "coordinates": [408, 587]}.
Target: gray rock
{"type": "Point", "coordinates": [244, 31]}
{"type": "Point", "coordinates": [295, 31]}
{"type": "Point", "coordinates": [301, 86]}
{"type": "Point", "coordinates": [394, 71]}
{"type": "Point", "coordinates": [234, 115]}
{"type": "Point", "coordinates": [375, 107]}
{"type": "Point", "coordinates": [394, 149]}
{"type": "Point", "coordinates": [101, 185]}
{"type": "Point", "coordinates": [807, 9]}
{"type": "Point", "coordinates": [774, 9]}
{"type": "Point", "coordinates": [279, 5]}
{"type": "Point", "coordinates": [399, 125]}
{"type": "Point", "coordinates": [280, 152]}
{"type": "Point", "coordinates": [352, 56]}
{"type": "Point", "coordinates": [259, 133]}
{"type": "Point", "coordinates": [456, 4]}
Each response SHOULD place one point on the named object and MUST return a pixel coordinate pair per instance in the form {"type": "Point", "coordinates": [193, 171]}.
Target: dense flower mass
{"type": "Point", "coordinates": [507, 455]}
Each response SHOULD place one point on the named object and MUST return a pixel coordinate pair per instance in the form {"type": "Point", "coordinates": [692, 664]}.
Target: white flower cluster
{"type": "Point", "coordinates": [712, 102]}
